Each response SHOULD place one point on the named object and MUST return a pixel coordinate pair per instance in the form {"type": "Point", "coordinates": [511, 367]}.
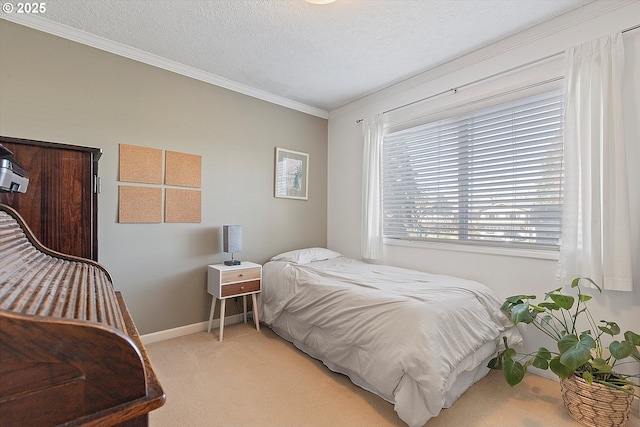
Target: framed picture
{"type": "Point", "coordinates": [292, 174]}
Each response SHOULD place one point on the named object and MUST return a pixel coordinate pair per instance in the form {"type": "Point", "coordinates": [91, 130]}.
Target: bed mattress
{"type": "Point", "coordinates": [417, 340]}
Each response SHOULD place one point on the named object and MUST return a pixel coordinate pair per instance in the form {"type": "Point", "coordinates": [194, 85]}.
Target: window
{"type": "Point", "coordinates": [492, 177]}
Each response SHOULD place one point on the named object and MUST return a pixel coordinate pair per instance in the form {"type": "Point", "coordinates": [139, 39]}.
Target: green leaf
{"type": "Point", "coordinates": [544, 353]}
{"type": "Point", "coordinates": [632, 337]}
{"type": "Point", "coordinates": [518, 299]}
{"type": "Point", "coordinates": [513, 371]}
{"type": "Point", "coordinates": [551, 292]}
{"type": "Point", "coordinates": [564, 301]}
{"type": "Point", "coordinates": [606, 330]}
{"type": "Point", "coordinates": [495, 363]}
{"type": "Point", "coordinates": [541, 359]}
{"type": "Point", "coordinates": [559, 369]}
{"type": "Point", "coordinates": [587, 377]}
{"type": "Point", "coordinates": [520, 313]}
{"type": "Point", "coordinates": [610, 328]}
{"type": "Point", "coordinates": [620, 350]}
{"type": "Point", "coordinates": [584, 298]}
{"type": "Point", "coordinates": [537, 309]}
{"type": "Point", "coordinates": [509, 353]}
{"type": "Point", "coordinates": [546, 320]}
{"type": "Point", "coordinates": [549, 305]}
{"type": "Point", "coordinates": [601, 365]}
{"type": "Point", "coordinates": [575, 352]}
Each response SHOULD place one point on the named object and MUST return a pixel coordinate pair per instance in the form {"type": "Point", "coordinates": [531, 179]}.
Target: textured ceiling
{"type": "Point", "coordinates": [321, 56]}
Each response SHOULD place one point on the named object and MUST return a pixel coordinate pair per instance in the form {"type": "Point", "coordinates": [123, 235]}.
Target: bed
{"type": "Point", "coordinates": [417, 340]}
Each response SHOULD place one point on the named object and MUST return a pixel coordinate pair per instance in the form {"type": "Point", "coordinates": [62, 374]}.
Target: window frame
{"type": "Point", "coordinates": [432, 112]}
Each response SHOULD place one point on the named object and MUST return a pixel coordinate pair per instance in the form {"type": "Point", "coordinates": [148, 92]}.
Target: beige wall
{"type": "Point", "coordinates": [56, 90]}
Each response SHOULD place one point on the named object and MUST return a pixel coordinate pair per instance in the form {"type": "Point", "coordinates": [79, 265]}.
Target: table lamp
{"type": "Point", "coordinates": [232, 241]}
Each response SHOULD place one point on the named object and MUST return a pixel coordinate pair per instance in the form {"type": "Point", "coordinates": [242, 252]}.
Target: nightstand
{"type": "Point", "coordinates": [227, 281]}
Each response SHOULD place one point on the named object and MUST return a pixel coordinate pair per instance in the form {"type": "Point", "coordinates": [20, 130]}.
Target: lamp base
{"type": "Point", "coordinates": [232, 262]}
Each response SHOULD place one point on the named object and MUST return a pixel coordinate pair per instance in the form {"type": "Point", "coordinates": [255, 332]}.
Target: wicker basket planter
{"type": "Point", "coordinates": [595, 405]}
{"type": "Point", "coordinates": [594, 350]}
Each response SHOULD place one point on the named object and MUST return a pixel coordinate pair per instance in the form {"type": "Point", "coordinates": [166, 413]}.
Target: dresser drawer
{"type": "Point", "coordinates": [240, 288]}
{"type": "Point", "coordinates": [240, 274]}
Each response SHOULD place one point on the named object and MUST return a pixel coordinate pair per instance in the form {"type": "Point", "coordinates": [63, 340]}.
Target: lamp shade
{"type": "Point", "coordinates": [232, 238]}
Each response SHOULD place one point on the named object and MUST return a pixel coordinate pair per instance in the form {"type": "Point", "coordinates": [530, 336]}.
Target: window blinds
{"type": "Point", "coordinates": [493, 176]}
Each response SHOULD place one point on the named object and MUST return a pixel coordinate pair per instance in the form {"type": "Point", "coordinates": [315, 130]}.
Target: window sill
{"type": "Point", "coordinates": [491, 250]}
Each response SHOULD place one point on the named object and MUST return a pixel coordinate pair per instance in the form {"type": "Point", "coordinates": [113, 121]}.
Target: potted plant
{"type": "Point", "coordinates": [593, 390]}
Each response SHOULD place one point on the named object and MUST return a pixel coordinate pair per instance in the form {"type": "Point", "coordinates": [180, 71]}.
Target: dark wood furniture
{"type": "Point", "coordinates": [70, 353]}
{"type": "Point", "coordinates": [61, 202]}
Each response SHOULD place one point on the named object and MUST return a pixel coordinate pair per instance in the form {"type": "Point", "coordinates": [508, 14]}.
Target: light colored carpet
{"type": "Point", "coordinates": [257, 379]}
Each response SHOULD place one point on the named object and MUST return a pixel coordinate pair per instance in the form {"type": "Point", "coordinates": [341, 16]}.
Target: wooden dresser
{"type": "Point", "coordinates": [70, 353]}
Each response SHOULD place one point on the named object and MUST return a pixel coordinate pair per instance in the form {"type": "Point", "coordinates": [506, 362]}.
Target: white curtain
{"type": "Point", "coordinates": [596, 240]}
{"type": "Point", "coordinates": [372, 188]}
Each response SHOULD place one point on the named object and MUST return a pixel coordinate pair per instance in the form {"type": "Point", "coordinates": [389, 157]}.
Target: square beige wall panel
{"type": "Point", "coordinates": [139, 204]}
{"type": "Point", "coordinates": [140, 164]}
{"type": "Point", "coordinates": [182, 169]}
{"type": "Point", "coordinates": [182, 205]}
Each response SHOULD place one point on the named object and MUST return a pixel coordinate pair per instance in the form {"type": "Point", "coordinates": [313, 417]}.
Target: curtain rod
{"type": "Point", "coordinates": [455, 89]}
{"type": "Point", "coordinates": [520, 89]}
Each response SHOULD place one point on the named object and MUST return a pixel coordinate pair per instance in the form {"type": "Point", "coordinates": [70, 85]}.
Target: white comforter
{"type": "Point", "coordinates": [403, 334]}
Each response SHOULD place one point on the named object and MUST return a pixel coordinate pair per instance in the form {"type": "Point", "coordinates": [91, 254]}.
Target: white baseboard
{"type": "Point", "coordinates": [190, 329]}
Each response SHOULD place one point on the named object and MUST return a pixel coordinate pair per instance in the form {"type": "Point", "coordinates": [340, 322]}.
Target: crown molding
{"type": "Point", "coordinates": [66, 32]}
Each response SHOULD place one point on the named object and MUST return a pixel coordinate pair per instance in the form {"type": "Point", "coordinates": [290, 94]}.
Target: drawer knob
{"type": "Point", "coordinates": [241, 275]}
{"type": "Point", "coordinates": [242, 288]}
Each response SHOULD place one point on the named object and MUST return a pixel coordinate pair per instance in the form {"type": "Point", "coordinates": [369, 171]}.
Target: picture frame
{"type": "Point", "coordinates": [291, 174]}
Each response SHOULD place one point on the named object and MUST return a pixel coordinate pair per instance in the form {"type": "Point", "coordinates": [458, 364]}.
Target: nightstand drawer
{"type": "Point", "coordinates": [240, 288]}
{"type": "Point", "coordinates": [240, 274]}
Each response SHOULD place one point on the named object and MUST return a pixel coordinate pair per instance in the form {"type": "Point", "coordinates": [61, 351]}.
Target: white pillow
{"type": "Point", "coordinates": [305, 256]}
